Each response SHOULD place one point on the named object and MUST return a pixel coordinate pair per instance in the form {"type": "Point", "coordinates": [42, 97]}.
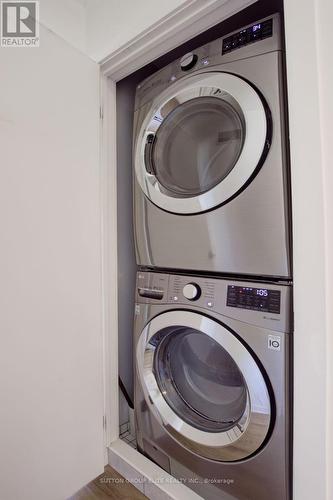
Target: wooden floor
{"type": "Point", "coordinates": [109, 485]}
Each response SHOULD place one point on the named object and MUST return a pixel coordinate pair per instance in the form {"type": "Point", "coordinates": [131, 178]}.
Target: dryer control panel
{"type": "Point", "coordinates": [251, 40]}
{"type": "Point", "coordinates": [248, 35]}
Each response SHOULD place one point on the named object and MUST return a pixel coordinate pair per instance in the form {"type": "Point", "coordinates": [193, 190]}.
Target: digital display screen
{"type": "Point", "coordinates": [254, 33]}
{"type": "Point", "coordinates": [255, 299]}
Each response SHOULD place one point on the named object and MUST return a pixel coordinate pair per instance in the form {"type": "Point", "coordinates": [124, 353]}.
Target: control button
{"type": "Point", "coordinates": [242, 37]}
{"type": "Point", "coordinates": [175, 298]}
{"type": "Point", "coordinates": [191, 291]}
{"type": "Point", "coordinates": [234, 42]}
{"type": "Point", "coordinates": [227, 45]}
{"type": "Point", "coordinates": [210, 304]}
{"type": "Point", "coordinates": [188, 61]}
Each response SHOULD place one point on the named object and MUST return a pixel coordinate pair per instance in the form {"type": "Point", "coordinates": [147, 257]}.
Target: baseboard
{"type": "Point", "coordinates": [145, 475]}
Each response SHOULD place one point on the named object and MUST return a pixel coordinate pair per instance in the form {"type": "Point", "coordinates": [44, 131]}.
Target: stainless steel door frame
{"type": "Point", "coordinates": [242, 440]}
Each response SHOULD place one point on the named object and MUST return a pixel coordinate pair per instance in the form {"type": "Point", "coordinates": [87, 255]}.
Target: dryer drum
{"type": "Point", "coordinates": [197, 146]}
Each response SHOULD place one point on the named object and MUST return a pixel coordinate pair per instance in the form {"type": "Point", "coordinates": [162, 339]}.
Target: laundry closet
{"type": "Point", "coordinates": [203, 150]}
{"type": "Point", "coordinates": [165, 188]}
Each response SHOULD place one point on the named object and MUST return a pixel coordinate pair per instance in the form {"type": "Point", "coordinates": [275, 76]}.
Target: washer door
{"type": "Point", "coordinates": [201, 142]}
{"type": "Point", "coordinates": [203, 386]}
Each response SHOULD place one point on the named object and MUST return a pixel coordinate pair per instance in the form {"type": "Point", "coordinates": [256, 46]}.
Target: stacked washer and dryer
{"type": "Point", "coordinates": [213, 315]}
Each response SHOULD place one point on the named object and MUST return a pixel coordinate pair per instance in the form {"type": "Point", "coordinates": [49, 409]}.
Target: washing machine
{"type": "Point", "coordinates": [211, 188]}
{"type": "Point", "coordinates": [212, 383]}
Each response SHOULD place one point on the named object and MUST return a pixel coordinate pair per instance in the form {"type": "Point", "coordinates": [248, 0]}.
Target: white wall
{"type": "Point", "coordinates": [67, 18]}
{"type": "Point", "coordinates": [324, 16]}
{"type": "Point", "coordinates": [112, 23]}
{"type": "Point", "coordinates": [309, 64]}
{"type": "Point", "coordinates": [51, 398]}
{"type": "Point", "coordinates": [98, 27]}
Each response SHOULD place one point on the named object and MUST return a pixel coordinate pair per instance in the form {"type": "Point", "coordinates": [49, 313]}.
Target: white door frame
{"type": "Point", "coordinates": [311, 478]}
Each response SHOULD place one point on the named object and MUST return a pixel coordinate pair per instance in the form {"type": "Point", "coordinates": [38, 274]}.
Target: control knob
{"type": "Point", "coordinates": [191, 291]}
{"type": "Point", "coordinates": [188, 61]}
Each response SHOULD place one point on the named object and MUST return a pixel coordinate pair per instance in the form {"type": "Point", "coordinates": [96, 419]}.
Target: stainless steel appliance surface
{"type": "Point", "coordinates": [212, 383]}
{"type": "Point", "coordinates": [211, 188]}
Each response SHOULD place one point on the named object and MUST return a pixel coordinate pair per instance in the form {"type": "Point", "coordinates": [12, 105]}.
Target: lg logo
{"type": "Point", "coordinates": [19, 24]}
{"type": "Point", "coordinates": [274, 342]}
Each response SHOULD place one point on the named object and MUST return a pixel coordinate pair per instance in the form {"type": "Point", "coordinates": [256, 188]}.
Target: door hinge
{"type": "Point", "coordinates": [101, 114]}
{"type": "Point", "coordinates": [104, 422]}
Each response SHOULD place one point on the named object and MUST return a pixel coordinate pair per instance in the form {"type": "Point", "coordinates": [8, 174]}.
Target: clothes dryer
{"type": "Point", "coordinates": [210, 161]}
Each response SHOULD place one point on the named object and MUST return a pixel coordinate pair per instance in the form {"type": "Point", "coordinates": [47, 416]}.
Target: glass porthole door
{"type": "Point", "coordinates": [203, 385]}
{"type": "Point", "coordinates": [201, 142]}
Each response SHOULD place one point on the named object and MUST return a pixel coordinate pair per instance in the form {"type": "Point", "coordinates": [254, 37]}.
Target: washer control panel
{"type": "Point", "coordinates": [267, 305]}
{"type": "Point", "coordinates": [255, 299]}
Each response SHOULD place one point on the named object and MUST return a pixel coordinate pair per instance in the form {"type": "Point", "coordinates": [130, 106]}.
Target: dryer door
{"type": "Point", "coordinates": [201, 142]}
{"type": "Point", "coordinates": [203, 385]}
